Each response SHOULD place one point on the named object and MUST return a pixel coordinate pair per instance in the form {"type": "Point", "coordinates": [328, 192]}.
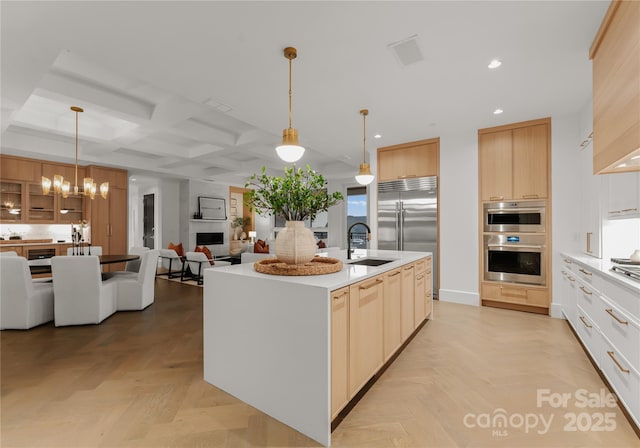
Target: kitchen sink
{"type": "Point", "coordinates": [370, 262]}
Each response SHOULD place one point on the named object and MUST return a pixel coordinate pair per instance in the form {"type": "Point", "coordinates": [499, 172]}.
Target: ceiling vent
{"type": "Point", "coordinates": [407, 51]}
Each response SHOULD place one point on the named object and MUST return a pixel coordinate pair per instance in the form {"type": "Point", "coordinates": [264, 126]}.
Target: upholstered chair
{"type": "Point", "coordinates": [134, 265]}
{"type": "Point", "coordinates": [171, 262]}
{"type": "Point", "coordinates": [9, 253]}
{"type": "Point", "coordinates": [81, 296]}
{"type": "Point", "coordinates": [136, 290]}
{"type": "Point", "coordinates": [23, 303]}
{"type": "Point", "coordinates": [197, 262]}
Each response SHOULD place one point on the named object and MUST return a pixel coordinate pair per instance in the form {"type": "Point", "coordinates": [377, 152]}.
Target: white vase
{"type": "Point", "coordinates": [295, 243]}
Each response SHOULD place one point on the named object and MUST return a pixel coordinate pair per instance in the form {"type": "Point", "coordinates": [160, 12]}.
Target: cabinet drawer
{"type": "Point", "coordinates": [620, 330]}
{"type": "Point", "coordinates": [423, 265]}
{"type": "Point", "coordinates": [516, 294]}
{"type": "Point", "coordinates": [585, 274]}
{"type": "Point", "coordinates": [622, 377]}
{"type": "Point", "coordinates": [587, 298]}
{"type": "Point", "coordinates": [623, 298]}
{"type": "Point", "coordinates": [588, 333]}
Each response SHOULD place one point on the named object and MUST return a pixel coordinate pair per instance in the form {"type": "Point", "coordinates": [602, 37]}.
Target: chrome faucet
{"type": "Point", "coordinates": [349, 236]}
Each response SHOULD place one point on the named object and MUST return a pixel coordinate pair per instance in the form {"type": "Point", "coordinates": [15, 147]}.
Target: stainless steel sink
{"type": "Point", "coordinates": [370, 261]}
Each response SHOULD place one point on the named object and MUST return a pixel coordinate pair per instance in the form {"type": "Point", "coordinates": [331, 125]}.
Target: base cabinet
{"type": "Point", "coordinates": [607, 322]}
{"type": "Point", "coordinates": [366, 336]}
{"type": "Point", "coordinates": [392, 312]}
{"type": "Point", "coordinates": [407, 323]}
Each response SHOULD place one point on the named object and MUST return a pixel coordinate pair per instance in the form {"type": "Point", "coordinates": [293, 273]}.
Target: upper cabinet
{"type": "Point", "coordinates": [18, 168]}
{"type": "Point", "coordinates": [514, 161]}
{"type": "Point", "coordinates": [415, 159]}
{"type": "Point", "coordinates": [616, 90]}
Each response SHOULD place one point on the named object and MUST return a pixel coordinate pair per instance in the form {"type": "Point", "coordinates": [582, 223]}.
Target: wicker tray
{"type": "Point", "coordinates": [317, 266]}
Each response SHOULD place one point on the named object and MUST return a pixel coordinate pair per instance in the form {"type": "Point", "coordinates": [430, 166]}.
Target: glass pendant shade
{"type": "Point", "coordinates": [104, 189]}
{"type": "Point", "coordinates": [66, 189]}
{"type": "Point", "coordinates": [46, 185]}
{"type": "Point", "coordinates": [290, 150]}
{"type": "Point", "coordinates": [58, 180]}
{"type": "Point", "coordinates": [364, 176]}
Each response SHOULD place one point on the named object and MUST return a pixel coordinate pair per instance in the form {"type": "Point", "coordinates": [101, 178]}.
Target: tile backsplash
{"type": "Point", "coordinates": [620, 237]}
{"type": "Point", "coordinates": [54, 232]}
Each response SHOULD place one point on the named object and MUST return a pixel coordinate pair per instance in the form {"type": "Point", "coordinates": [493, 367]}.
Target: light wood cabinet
{"type": "Point", "coordinates": [19, 168]}
{"type": "Point", "coordinates": [419, 302]}
{"type": "Point", "coordinates": [514, 161]}
{"type": "Point", "coordinates": [392, 312]}
{"type": "Point", "coordinates": [428, 308]}
{"type": "Point", "coordinates": [530, 296]}
{"type": "Point", "coordinates": [7, 248]}
{"type": "Point", "coordinates": [366, 307]}
{"type": "Point", "coordinates": [616, 88]}
{"type": "Point", "coordinates": [496, 162]}
{"type": "Point", "coordinates": [530, 162]}
{"type": "Point", "coordinates": [339, 350]}
{"type": "Point", "coordinates": [415, 159]}
{"type": "Point", "coordinates": [408, 298]}
{"type": "Point", "coordinates": [41, 208]}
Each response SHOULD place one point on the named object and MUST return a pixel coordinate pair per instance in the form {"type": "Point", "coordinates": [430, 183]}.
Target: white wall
{"type": "Point", "coordinates": [168, 205]}
{"type": "Point", "coordinates": [458, 209]}
{"type": "Point", "coordinates": [565, 198]}
{"type": "Point", "coordinates": [191, 190]}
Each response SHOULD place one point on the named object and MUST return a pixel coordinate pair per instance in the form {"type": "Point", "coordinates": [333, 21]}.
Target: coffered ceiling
{"type": "Point", "coordinates": [200, 89]}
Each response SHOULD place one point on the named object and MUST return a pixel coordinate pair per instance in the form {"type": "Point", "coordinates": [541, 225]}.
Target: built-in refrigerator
{"type": "Point", "coordinates": [407, 217]}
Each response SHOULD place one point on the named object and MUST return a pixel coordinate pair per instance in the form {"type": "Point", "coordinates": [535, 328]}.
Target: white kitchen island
{"type": "Point", "coordinates": [268, 338]}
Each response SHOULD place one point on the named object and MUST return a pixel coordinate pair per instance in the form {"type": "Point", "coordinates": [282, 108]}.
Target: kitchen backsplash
{"type": "Point", "coordinates": [54, 232]}
{"type": "Point", "coordinates": [620, 237]}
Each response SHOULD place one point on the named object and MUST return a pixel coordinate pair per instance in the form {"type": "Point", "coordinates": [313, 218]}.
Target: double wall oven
{"type": "Point", "coordinates": [515, 248]}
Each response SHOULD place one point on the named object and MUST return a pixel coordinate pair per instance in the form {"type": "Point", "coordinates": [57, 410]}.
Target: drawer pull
{"type": "Point", "coordinates": [407, 268]}
{"type": "Point", "coordinates": [610, 312]}
{"type": "Point", "coordinates": [494, 198]}
{"type": "Point", "coordinates": [428, 272]}
{"type": "Point", "coordinates": [394, 274]}
{"type": "Point", "coordinates": [612, 356]}
{"type": "Point", "coordinates": [530, 196]}
{"type": "Point", "coordinates": [572, 279]}
{"type": "Point", "coordinates": [420, 277]}
{"type": "Point", "coordinates": [630, 210]}
{"type": "Point", "coordinates": [586, 291]}
{"type": "Point", "coordinates": [585, 322]}
{"type": "Point", "coordinates": [371, 285]}
{"type": "Point", "coordinates": [339, 296]}
{"type": "Point", "coordinates": [584, 272]}
{"type": "Point", "coordinates": [566, 260]}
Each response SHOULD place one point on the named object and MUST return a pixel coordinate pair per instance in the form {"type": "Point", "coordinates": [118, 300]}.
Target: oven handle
{"type": "Point", "coordinates": [523, 246]}
{"type": "Point", "coordinates": [511, 210]}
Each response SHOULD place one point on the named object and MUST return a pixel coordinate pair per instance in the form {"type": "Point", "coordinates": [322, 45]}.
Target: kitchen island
{"type": "Point", "coordinates": [300, 348]}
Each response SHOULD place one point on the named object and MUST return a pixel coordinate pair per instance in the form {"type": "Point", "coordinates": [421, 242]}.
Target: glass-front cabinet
{"type": "Point", "coordinates": [11, 206]}
{"type": "Point", "coordinates": [70, 209]}
{"type": "Point", "coordinates": [41, 208]}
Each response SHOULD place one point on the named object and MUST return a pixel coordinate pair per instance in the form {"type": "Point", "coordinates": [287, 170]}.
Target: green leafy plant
{"type": "Point", "coordinates": [297, 195]}
{"type": "Point", "coordinates": [240, 222]}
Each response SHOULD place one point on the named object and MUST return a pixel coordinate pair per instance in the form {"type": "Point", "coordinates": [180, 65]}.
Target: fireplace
{"type": "Point", "coordinates": [209, 238]}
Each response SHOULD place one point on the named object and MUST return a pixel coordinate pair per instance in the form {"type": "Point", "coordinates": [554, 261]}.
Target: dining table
{"type": "Point", "coordinates": [43, 265]}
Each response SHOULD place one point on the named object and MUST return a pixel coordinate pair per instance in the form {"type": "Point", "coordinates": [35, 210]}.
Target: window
{"type": "Point", "coordinates": [357, 212]}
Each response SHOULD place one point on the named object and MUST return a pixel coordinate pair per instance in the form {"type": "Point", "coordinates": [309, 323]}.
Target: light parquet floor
{"type": "Point", "coordinates": [136, 380]}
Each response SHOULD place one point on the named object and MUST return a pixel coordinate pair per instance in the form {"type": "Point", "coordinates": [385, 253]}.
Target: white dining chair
{"type": "Point", "coordinates": [136, 290]}
{"type": "Point", "coordinates": [9, 253]}
{"type": "Point", "coordinates": [95, 250]}
{"type": "Point", "coordinates": [24, 303]}
{"type": "Point", "coordinates": [81, 296]}
{"type": "Point", "coordinates": [134, 265]}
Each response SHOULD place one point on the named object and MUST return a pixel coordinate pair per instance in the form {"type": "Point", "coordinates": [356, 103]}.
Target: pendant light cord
{"type": "Point", "coordinates": [290, 94]}
{"type": "Point", "coordinates": [364, 138]}
{"type": "Point", "coordinates": [76, 185]}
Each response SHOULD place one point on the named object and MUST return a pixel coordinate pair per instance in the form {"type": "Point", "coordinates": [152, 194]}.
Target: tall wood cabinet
{"type": "Point", "coordinates": [616, 89]}
{"type": "Point", "coordinates": [514, 161]}
{"type": "Point", "coordinates": [108, 217]}
{"type": "Point", "coordinates": [339, 350]}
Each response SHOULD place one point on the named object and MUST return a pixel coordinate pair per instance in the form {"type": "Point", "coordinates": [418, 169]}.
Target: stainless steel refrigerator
{"type": "Point", "coordinates": [407, 216]}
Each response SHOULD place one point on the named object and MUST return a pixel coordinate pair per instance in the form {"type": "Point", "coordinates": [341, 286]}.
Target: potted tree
{"type": "Point", "coordinates": [297, 195]}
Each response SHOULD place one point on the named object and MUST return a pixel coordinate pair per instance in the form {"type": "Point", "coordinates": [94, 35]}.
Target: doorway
{"type": "Point", "coordinates": [148, 221]}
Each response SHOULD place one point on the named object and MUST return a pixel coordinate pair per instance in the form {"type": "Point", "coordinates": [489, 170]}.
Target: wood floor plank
{"type": "Point", "coordinates": [136, 380]}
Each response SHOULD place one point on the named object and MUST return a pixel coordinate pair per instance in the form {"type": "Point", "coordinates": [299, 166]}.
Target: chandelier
{"type": "Point", "coordinates": [364, 176]}
{"type": "Point", "coordinates": [63, 187]}
{"type": "Point", "coordinates": [290, 149]}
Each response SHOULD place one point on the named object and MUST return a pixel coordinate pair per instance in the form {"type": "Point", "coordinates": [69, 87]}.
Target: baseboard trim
{"type": "Point", "coordinates": [462, 297]}
{"type": "Point", "coordinates": [556, 311]}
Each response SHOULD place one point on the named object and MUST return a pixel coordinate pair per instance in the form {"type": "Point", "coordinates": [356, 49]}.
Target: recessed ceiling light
{"type": "Point", "coordinates": [133, 179]}
{"type": "Point", "coordinates": [635, 157]}
{"type": "Point", "coordinates": [622, 165]}
{"type": "Point", "coordinates": [497, 111]}
{"type": "Point", "coordinates": [380, 136]}
{"type": "Point", "coordinates": [495, 63]}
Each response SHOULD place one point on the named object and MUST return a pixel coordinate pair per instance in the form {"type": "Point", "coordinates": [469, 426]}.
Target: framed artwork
{"type": "Point", "coordinates": [212, 208]}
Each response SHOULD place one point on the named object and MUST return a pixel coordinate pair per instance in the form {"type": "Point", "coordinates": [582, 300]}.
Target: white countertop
{"type": "Point", "coordinates": [603, 267]}
{"type": "Point", "coordinates": [347, 276]}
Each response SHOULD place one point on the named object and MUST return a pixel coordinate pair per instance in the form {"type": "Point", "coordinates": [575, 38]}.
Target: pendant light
{"type": "Point", "coordinates": [290, 150]}
{"type": "Point", "coordinates": [364, 176]}
{"type": "Point", "coordinates": [63, 187]}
